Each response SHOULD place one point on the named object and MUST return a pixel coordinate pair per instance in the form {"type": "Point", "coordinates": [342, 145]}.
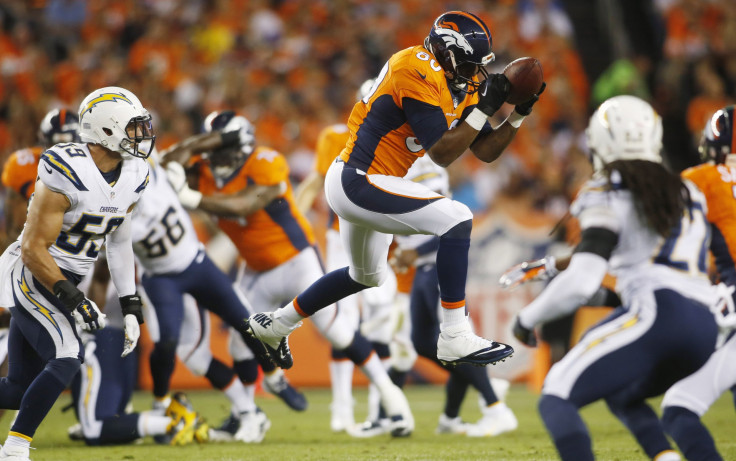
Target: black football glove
{"type": "Point", "coordinates": [526, 108]}
{"type": "Point", "coordinates": [493, 93]}
{"type": "Point", "coordinates": [523, 334]}
{"type": "Point", "coordinates": [85, 312]}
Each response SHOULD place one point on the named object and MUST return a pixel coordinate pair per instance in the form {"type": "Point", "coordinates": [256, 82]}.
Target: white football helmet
{"type": "Point", "coordinates": [114, 118]}
{"type": "Point", "coordinates": [624, 128]}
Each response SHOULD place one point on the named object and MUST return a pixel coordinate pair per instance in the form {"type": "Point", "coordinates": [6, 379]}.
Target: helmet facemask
{"type": "Point", "coordinates": [140, 138]}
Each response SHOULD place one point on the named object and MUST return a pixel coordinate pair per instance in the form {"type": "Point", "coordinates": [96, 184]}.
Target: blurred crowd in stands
{"type": "Point", "coordinates": [293, 66]}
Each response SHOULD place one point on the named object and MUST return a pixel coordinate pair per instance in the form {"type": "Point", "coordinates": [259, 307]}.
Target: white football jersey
{"type": "Point", "coordinates": [642, 259]}
{"type": "Point", "coordinates": [164, 240]}
{"type": "Point", "coordinates": [97, 208]}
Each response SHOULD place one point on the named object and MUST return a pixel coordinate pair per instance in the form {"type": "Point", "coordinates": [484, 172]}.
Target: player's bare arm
{"type": "Point", "coordinates": [306, 192]}
{"type": "Point", "coordinates": [45, 219]}
{"type": "Point", "coordinates": [15, 215]}
{"type": "Point", "coordinates": [182, 151]}
{"type": "Point", "coordinates": [243, 203]}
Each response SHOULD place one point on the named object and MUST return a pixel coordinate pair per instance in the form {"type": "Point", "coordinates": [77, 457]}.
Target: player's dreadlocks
{"type": "Point", "coordinates": [660, 196]}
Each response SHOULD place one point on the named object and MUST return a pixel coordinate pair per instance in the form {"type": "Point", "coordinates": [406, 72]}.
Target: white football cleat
{"type": "Point", "coordinates": [496, 419]}
{"type": "Point", "coordinates": [274, 336]}
{"type": "Point", "coordinates": [253, 426]}
{"type": "Point", "coordinates": [458, 344]}
{"type": "Point", "coordinates": [449, 425]}
{"type": "Point", "coordinates": [397, 408]}
{"type": "Point", "coordinates": [370, 429]}
{"type": "Point", "coordinates": [12, 453]}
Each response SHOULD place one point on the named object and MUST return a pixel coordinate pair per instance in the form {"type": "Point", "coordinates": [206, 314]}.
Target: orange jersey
{"type": "Point", "coordinates": [718, 184]}
{"type": "Point", "coordinates": [274, 234]}
{"type": "Point", "coordinates": [381, 139]}
{"type": "Point", "coordinates": [21, 169]}
{"type": "Point", "coordinates": [331, 141]}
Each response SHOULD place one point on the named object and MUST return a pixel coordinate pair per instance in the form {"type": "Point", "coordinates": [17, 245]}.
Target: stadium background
{"type": "Point", "coordinates": [293, 66]}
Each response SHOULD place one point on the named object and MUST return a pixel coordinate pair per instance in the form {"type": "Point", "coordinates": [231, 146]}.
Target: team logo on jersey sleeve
{"type": "Point", "coordinates": [55, 161]}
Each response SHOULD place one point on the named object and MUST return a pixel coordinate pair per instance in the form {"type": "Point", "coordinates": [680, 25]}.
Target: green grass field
{"type": "Point", "coordinates": [306, 436]}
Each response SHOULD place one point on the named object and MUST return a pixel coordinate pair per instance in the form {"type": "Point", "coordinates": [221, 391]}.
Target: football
{"type": "Point", "coordinates": [526, 78]}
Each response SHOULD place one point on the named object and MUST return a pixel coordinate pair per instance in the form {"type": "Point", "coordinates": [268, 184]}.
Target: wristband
{"type": "Point", "coordinates": [131, 304]}
{"type": "Point", "coordinates": [476, 119]}
{"type": "Point", "coordinates": [69, 295]}
{"type": "Point", "coordinates": [515, 119]}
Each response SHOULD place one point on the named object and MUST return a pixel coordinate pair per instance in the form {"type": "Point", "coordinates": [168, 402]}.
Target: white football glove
{"type": "Point", "coordinates": [724, 312]}
{"type": "Point", "coordinates": [132, 333]}
{"type": "Point", "coordinates": [88, 316]}
{"type": "Point", "coordinates": [541, 269]}
{"type": "Point", "coordinates": [178, 179]}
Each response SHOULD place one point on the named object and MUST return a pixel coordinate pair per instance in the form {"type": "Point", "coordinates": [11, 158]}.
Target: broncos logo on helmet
{"type": "Point", "coordinates": [462, 45]}
{"type": "Point", "coordinates": [453, 38]}
{"type": "Point", "coordinates": [719, 136]}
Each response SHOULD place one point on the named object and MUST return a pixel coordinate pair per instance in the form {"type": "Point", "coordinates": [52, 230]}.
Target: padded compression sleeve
{"type": "Point", "coordinates": [120, 259]}
{"type": "Point", "coordinates": [568, 291]}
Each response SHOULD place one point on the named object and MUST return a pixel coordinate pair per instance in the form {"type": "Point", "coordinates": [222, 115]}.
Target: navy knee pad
{"type": "Point", "coordinates": [247, 370]}
{"type": "Point", "coordinates": [460, 231]}
{"type": "Point", "coordinates": [64, 369]}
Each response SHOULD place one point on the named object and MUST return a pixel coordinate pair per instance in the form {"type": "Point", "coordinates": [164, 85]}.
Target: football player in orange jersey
{"type": "Point", "coordinates": [688, 400]}
{"type": "Point", "coordinates": [247, 188]}
{"type": "Point", "coordinates": [19, 171]}
{"type": "Point", "coordinates": [426, 100]}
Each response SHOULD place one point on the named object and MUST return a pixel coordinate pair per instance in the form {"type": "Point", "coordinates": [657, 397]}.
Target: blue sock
{"type": "Point", "coordinates": [566, 428]}
{"type": "Point", "coordinates": [219, 374]}
{"type": "Point", "coordinates": [644, 424]}
{"type": "Point", "coordinates": [455, 390]}
{"type": "Point", "coordinates": [329, 289]}
{"type": "Point", "coordinates": [452, 262]}
{"type": "Point", "coordinates": [162, 362]}
{"type": "Point", "coordinates": [478, 378]}
{"type": "Point", "coordinates": [691, 436]}
{"type": "Point", "coordinates": [42, 394]}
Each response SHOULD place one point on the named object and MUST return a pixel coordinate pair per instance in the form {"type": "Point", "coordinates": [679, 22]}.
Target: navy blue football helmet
{"type": "Point", "coordinates": [718, 136]}
{"type": "Point", "coordinates": [462, 45]}
{"type": "Point", "coordinates": [226, 160]}
{"type": "Point", "coordinates": [59, 126]}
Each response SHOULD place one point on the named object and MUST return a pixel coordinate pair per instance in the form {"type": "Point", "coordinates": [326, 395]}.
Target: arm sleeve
{"type": "Point", "coordinates": [427, 121]}
{"type": "Point", "coordinates": [120, 259]}
{"type": "Point", "coordinates": [568, 291]}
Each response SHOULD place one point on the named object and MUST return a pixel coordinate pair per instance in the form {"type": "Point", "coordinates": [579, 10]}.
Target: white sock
{"type": "Point", "coordinates": [150, 423]}
{"type": "Point", "coordinates": [494, 409]}
{"type": "Point", "coordinates": [341, 378]}
{"type": "Point", "coordinates": [238, 396]}
{"type": "Point", "coordinates": [288, 316]}
{"type": "Point", "coordinates": [18, 440]}
{"type": "Point", "coordinates": [160, 404]}
{"type": "Point", "coordinates": [375, 370]}
{"type": "Point", "coordinates": [249, 404]}
{"type": "Point", "coordinates": [452, 317]}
